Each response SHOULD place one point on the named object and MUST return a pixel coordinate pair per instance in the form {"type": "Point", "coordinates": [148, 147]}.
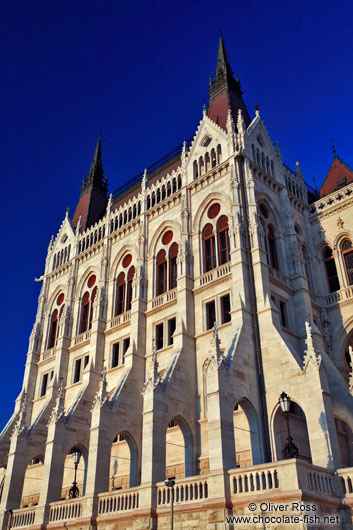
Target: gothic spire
{"type": "Point", "coordinates": [223, 65]}
{"type": "Point", "coordinates": [96, 169]}
{"type": "Point", "coordinates": [225, 91]}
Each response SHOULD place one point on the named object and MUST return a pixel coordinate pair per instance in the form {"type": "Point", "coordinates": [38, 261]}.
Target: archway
{"type": "Point", "coordinates": [246, 434]}
{"type": "Point", "coordinates": [345, 442]}
{"type": "Point", "coordinates": [69, 472]}
{"type": "Point", "coordinates": [298, 431]}
{"type": "Point", "coordinates": [179, 449]}
{"type": "Point", "coordinates": [123, 462]}
{"type": "Point", "coordinates": [32, 482]}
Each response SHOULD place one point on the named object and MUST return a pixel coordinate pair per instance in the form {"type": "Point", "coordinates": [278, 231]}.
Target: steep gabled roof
{"type": "Point", "coordinates": [339, 175]}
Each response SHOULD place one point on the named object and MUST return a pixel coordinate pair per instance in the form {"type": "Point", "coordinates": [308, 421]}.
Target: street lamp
{"type": "Point", "coordinates": [290, 449]}
{"type": "Point", "coordinates": [74, 491]}
{"type": "Point", "coordinates": [170, 483]}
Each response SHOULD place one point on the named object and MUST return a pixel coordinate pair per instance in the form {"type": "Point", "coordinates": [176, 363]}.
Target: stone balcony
{"type": "Point", "coordinates": [284, 481]}
{"type": "Point", "coordinates": [342, 296]}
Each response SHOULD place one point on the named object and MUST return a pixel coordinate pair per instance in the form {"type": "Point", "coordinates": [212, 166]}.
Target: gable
{"type": "Point", "coordinates": [339, 175]}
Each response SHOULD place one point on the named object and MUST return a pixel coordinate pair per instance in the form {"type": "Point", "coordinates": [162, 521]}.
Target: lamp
{"type": "Point", "coordinates": [290, 449]}
{"type": "Point", "coordinates": [74, 491]}
{"type": "Point", "coordinates": [170, 483]}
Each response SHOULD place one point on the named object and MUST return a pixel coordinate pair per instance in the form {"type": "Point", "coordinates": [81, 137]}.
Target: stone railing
{"type": "Point", "coordinates": [120, 319]}
{"type": "Point", "coordinates": [253, 479]}
{"type": "Point", "coordinates": [320, 480]}
{"type": "Point", "coordinates": [282, 475]}
{"type": "Point", "coordinates": [278, 275]}
{"type": "Point", "coordinates": [189, 489]}
{"type": "Point", "coordinates": [164, 298]}
{"type": "Point", "coordinates": [340, 296]}
{"type": "Point", "coordinates": [63, 510]}
{"type": "Point", "coordinates": [23, 517]}
{"type": "Point", "coordinates": [214, 274]}
{"type": "Point", "coordinates": [346, 479]}
{"type": "Point", "coordinates": [48, 353]}
{"type": "Point", "coordinates": [82, 337]}
{"type": "Point", "coordinates": [118, 501]}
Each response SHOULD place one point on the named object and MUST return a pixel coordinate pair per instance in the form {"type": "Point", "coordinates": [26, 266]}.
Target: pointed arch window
{"type": "Point", "coordinates": [308, 268]}
{"type": "Point", "coordinates": [173, 253]}
{"type": "Point", "coordinates": [272, 250]}
{"type": "Point", "coordinates": [93, 297]}
{"type": "Point", "coordinates": [161, 272]}
{"type": "Point", "coordinates": [331, 271]}
{"type": "Point", "coordinates": [223, 240]}
{"type": "Point", "coordinates": [209, 248]}
{"type": "Point", "coordinates": [130, 277]}
{"type": "Point", "coordinates": [120, 294]}
{"type": "Point", "coordinates": [53, 329]}
{"type": "Point", "coordinates": [84, 312]}
{"type": "Point", "coordinates": [347, 253]}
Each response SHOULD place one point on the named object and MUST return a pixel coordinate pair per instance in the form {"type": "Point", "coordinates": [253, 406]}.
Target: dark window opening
{"type": "Point", "coordinates": [43, 389]}
{"type": "Point", "coordinates": [283, 314]}
{"type": "Point", "coordinates": [209, 248]}
{"type": "Point", "coordinates": [171, 329]}
{"type": "Point", "coordinates": [126, 344]}
{"type": "Point", "coordinates": [85, 361]}
{"type": "Point", "coordinates": [115, 355]}
{"type": "Point", "coordinates": [210, 314]}
{"type": "Point", "coordinates": [77, 372]}
{"type": "Point", "coordinates": [331, 270]}
{"type": "Point", "coordinates": [225, 308]}
{"type": "Point", "coordinates": [161, 272]}
{"type": "Point", "coordinates": [159, 336]}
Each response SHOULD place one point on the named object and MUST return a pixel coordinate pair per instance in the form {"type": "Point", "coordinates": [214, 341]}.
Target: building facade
{"type": "Point", "coordinates": [172, 316]}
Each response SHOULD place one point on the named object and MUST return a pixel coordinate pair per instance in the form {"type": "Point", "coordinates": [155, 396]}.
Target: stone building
{"type": "Point", "coordinates": [172, 315]}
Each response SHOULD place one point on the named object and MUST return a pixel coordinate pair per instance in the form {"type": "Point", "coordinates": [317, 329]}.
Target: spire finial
{"type": "Point", "coordinates": [67, 210]}
{"type": "Point", "coordinates": [220, 32]}
{"type": "Point", "coordinates": [333, 148]}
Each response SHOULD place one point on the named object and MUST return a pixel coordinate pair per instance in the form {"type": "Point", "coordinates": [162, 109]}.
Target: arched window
{"type": "Point", "coordinates": [120, 294]}
{"type": "Point", "coordinates": [201, 166]}
{"type": "Point", "coordinates": [272, 251]}
{"type": "Point", "coordinates": [331, 271]}
{"type": "Point", "coordinates": [219, 154]}
{"type": "Point", "coordinates": [53, 329]}
{"type": "Point", "coordinates": [196, 172]}
{"type": "Point", "coordinates": [130, 277]}
{"type": "Point", "coordinates": [347, 253]}
{"type": "Point", "coordinates": [223, 240]}
{"type": "Point", "coordinates": [93, 297]}
{"type": "Point", "coordinates": [209, 248]}
{"type": "Point", "coordinates": [173, 252]}
{"type": "Point", "coordinates": [161, 272]}
{"type": "Point", "coordinates": [208, 162]}
{"type": "Point", "coordinates": [84, 312]}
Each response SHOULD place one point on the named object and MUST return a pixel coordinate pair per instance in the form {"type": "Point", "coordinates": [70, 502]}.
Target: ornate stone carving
{"type": "Point", "coordinates": [340, 223]}
{"type": "Point", "coordinates": [59, 408]}
{"type": "Point", "coordinates": [101, 396]}
{"type": "Point", "coordinates": [312, 353]}
{"type": "Point", "coordinates": [217, 356]}
{"type": "Point", "coordinates": [326, 328]}
{"type": "Point", "coordinates": [20, 425]}
{"type": "Point", "coordinates": [183, 156]}
{"type": "Point", "coordinates": [153, 378]}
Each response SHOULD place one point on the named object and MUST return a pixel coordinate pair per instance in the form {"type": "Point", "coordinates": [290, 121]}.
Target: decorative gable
{"type": "Point", "coordinates": [339, 175]}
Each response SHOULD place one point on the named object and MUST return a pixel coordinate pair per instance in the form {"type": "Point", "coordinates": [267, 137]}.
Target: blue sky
{"type": "Point", "coordinates": [139, 71]}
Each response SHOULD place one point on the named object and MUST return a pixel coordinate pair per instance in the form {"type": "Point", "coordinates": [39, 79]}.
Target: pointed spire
{"type": "Point", "coordinates": [222, 58]}
{"type": "Point", "coordinates": [312, 353]}
{"type": "Point", "coordinates": [223, 80]}
{"type": "Point", "coordinates": [96, 169]}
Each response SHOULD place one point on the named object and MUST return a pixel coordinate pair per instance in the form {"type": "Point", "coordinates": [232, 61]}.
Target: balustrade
{"type": "Point", "coordinates": [340, 296]}
{"type": "Point", "coordinates": [63, 510]}
{"type": "Point", "coordinates": [117, 501]}
{"type": "Point", "coordinates": [185, 490]}
{"type": "Point", "coordinates": [23, 517]}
